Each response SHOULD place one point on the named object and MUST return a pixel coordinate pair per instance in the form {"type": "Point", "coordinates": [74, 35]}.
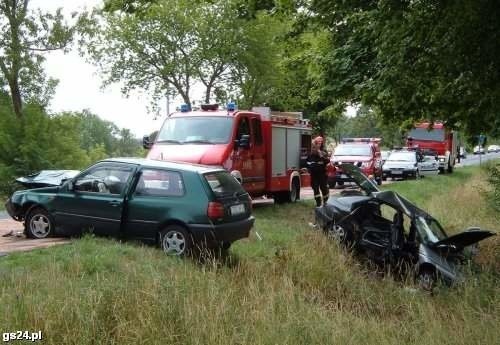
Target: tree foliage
{"type": "Point", "coordinates": [415, 59]}
{"type": "Point", "coordinates": [25, 36]}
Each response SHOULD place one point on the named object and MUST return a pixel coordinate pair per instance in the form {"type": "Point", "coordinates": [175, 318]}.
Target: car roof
{"type": "Point", "coordinates": [152, 163]}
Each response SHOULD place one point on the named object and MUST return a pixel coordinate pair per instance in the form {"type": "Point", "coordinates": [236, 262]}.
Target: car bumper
{"type": "Point", "coordinates": [399, 173]}
{"type": "Point", "coordinates": [218, 233]}
{"type": "Point", "coordinates": [13, 210]}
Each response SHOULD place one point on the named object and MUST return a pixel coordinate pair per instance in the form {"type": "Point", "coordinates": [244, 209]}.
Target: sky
{"type": "Point", "coordinates": [80, 86]}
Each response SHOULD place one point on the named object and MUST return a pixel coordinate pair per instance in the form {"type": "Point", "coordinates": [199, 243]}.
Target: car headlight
{"type": "Point", "coordinates": [442, 159]}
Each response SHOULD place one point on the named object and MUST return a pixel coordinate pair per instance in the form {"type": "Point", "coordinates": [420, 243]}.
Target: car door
{"type": "Point", "coordinates": [94, 200]}
{"type": "Point", "coordinates": [428, 165]}
{"type": "Point", "coordinates": [159, 195]}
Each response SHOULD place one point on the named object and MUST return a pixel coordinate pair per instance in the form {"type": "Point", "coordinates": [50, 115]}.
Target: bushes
{"type": "Point", "coordinates": [40, 141]}
{"type": "Point", "coordinates": [493, 170]}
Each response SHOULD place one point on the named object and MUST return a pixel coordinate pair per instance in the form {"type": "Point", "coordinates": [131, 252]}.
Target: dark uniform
{"type": "Point", "coordinates": [316, 164]}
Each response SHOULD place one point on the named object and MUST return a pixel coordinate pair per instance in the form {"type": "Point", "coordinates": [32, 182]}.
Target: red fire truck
{"type": "Point", "coordinates": [437, 139]}
{"type": "Point", "coordinates": [262, 149]}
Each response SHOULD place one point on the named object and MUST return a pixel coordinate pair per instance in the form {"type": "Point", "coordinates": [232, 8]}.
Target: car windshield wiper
{"type": "Point", "coordinates": [197, 142]}
{"type": "Point", "coordinates": [170, 141]}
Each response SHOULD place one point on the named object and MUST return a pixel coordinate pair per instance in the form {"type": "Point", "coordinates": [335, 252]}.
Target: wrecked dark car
{"type": "Point", "coordinates": [390, 230]}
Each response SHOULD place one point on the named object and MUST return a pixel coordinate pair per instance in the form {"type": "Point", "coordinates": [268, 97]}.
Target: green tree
{"type": "Point", "coordinates": [415, 60]}
{"type": "Point", "coordinates": [170, 45]}
{"type": "Point", "coordinates": [26, 35]}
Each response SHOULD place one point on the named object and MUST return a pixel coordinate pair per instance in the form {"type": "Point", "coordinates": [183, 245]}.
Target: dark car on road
{"type": "Point", "coordinates": [179, 206]}
{"type": "Point", "coordinates": [390, 230]}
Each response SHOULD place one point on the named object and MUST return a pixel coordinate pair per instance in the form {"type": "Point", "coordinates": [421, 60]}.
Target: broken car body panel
{"type": "Point", "coordinates": [47, 178]}
{"type": "Point", "coordinates": [358, 219]}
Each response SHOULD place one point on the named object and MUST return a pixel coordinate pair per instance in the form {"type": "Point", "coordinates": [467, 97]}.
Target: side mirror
{"type": "Point", "coordinates": [244, 142]}
{"type": "Point", "coordinates": [146, 142]}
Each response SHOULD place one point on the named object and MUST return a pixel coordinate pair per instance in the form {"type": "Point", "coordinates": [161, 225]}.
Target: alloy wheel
{"type": "Point", "coordinates": [174, 243]}
{"type": "Point", "coordinates": [40, 226]}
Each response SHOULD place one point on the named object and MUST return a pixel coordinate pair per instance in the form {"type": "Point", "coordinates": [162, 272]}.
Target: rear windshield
{"type": "Point", "coordinates": [223, 183]}
{"type": "Point", "coordinates": [353, 150]}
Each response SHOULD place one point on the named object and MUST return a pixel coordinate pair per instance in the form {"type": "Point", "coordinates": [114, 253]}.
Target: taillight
{"type": "Point", "coordinates": [215, 210]}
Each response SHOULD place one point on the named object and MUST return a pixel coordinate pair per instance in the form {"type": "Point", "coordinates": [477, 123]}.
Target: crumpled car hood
{"type": "Point", "coordinates": [465, 238]}
{"type": "Point", "coordinates": [47, 178]}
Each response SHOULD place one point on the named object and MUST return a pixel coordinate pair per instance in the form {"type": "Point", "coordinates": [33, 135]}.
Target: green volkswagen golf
{"type": "Point", "coordinates": [179, 206]}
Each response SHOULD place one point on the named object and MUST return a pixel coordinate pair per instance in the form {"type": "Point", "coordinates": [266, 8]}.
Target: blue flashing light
{"type": "Point", "coordinates": [231, 106]}
{"type": "Point", "coordinates": [184, 108]}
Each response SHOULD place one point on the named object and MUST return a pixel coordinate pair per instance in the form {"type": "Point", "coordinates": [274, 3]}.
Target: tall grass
{"type": "Point", "coordinates": [292, 287]}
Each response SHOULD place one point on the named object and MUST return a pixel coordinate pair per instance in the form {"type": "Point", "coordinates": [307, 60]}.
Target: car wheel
{"type": "Point", "coordinates": [341, 234]}
{"type": "Point", "coordinates": [176, 240]}
{"type": "Point", "coordinates": [450, 168]}
{"type": "Point", "coordinates": [427, 279]}
{"type": "Point", "coordinates": [294, 194]}
{"type": "Point", "coordinates": [39, 224]}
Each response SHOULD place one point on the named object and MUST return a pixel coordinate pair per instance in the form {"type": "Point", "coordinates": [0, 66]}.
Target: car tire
{"type": "Point", "coordinates": [39, 224]}
{"type": "Point", "coordinates": [175, 240]}
{"type": "Point", "coordinates": [450, 168]}
{"type": "Point", "coordinates": [341, 234]}
{"type": "Point", "coordinates": [427, 279]}
{"type": "Point", "coordinates": [294, 193]}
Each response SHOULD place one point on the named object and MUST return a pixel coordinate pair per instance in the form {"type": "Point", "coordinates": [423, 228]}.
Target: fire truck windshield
{"type": "Point", "coordinates": [196, 130]}
{"type": "Point", "coordinates": [353, 150]}
{"type": "Point", "coordinates": [424, 134]}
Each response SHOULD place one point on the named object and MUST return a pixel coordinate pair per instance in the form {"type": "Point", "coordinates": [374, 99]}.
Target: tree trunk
{"type": "Point", "coordinates": [17, 102]}
{"type": "Point", "coordinates": [207, 93]}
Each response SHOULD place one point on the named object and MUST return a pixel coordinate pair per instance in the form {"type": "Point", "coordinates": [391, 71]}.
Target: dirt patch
{"type": "Point", "coordinates": [12, 238]}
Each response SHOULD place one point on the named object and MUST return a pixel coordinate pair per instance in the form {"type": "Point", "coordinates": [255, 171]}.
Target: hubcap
{"type": "Point", "coordinates": [40, 226]}
{"type": "Point", "coordinates": [337, 233]}
{"type": "Point", "coordinates": [174, 243]}
{"type": "Point", "coordinates": [426, 281]}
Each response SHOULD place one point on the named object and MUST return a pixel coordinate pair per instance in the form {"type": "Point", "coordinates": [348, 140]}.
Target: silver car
{"type": "Point", "coordinates": [409, 164]}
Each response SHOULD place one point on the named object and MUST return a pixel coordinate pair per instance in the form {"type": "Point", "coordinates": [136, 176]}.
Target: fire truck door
{"type": "Point", "coordinates": [257, 156]}
{"type": "Point", "coordinates": [242, 155]}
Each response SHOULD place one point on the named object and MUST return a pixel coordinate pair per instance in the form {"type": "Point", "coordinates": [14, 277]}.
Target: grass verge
{"type": "Point", "coordinates": [292, 287]}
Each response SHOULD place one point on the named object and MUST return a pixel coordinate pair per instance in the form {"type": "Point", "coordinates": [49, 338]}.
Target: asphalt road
{"type": "Point", "coordinates": [474, 159]}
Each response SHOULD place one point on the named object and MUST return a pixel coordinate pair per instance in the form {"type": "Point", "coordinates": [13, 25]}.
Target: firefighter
{"type": "Point", "coordinates": [317, 162]}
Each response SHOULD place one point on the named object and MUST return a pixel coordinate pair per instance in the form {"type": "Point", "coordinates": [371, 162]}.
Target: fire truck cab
{"type": "Point", "coordinates": [438, 138]}
{"type": "Point", "coordinates": [361, 152]}
{"type": "Point", "coordinates": [264, 151]}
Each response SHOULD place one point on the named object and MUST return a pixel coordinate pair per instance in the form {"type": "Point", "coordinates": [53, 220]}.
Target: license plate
{"type": "Point", "coordinates": [396, 172]}
{"type": "Point", "coordinates": [237, 209]}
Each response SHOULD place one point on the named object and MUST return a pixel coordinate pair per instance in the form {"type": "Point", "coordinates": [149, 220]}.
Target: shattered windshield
{"type": "Point", "coordinates": [196, 130]}
{"type": "Point", "coordinates": [429, 230]}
